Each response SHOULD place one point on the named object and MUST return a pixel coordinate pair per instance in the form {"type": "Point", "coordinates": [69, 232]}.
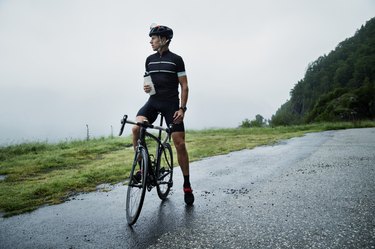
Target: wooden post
{"type": "Point", "coordinates": [88, 133]}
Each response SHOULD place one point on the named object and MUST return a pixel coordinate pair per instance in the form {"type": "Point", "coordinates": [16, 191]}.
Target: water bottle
{"type": "Point", "coordinates": [148, 81]}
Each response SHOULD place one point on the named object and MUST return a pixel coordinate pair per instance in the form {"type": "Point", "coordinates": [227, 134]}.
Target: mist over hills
{"type": "Point", "coordinates": [339, 86]}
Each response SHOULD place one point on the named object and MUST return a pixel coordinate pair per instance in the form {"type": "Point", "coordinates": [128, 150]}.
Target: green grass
{"type": "Point", "coordinates": [43, 174]}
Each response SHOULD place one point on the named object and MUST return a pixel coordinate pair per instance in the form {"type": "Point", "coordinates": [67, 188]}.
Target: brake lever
{"type": "Point", "coordinates": [123, 122]}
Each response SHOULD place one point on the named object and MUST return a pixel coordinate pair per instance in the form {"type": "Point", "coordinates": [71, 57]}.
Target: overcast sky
{"type": "Point", "coordinates": [68, 63]}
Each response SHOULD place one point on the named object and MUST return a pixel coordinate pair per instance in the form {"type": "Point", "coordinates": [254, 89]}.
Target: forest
{"type": "Point", "coordinates": [339, 86]}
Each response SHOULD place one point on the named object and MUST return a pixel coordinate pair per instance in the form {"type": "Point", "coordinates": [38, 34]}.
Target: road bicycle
{"type": "Point", "coordinates": [148, 170]}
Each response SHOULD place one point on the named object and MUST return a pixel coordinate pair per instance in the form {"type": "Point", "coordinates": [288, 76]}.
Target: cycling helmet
{"type": "Point", "coordinates": [162, 31]}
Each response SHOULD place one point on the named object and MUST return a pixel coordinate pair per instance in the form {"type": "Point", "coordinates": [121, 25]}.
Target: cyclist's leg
{"type": "Point", "coordinates": [147, 112]}
{"type": "Point", "coordinates": [178, 136]}
{"type": "Point", "coordinates": [182, 155]}
{"type": "Point", "coordinates": [135, 130]}
{"type": "Point", "coordinates": [183, 159]}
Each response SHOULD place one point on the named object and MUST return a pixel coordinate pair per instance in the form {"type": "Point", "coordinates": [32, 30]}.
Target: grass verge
{"type": "Point", "coordinates": [39, 174]}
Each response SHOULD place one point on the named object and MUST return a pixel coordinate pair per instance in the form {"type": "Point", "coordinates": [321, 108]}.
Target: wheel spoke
{"type": "Point", "coordinates": [165, 172]}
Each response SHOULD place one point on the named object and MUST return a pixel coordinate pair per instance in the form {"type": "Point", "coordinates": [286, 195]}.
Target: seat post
{"type": "Point", "coordinates": [161, 124]}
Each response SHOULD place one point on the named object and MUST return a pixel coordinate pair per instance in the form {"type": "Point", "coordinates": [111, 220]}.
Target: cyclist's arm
{"type": "Point", "coordinates": [184, 90]}
{"type": "Point", "coordinates": [179, 115]}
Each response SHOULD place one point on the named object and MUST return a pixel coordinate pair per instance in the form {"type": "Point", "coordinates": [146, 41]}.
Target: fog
{"type": "Point", "coordinates": [65, 64]}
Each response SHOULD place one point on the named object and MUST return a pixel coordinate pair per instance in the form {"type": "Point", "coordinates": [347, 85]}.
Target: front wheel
{"type": "Point", "coordinates": [164, 171]}
{"type": "Point", "coordinates": [137, 186]}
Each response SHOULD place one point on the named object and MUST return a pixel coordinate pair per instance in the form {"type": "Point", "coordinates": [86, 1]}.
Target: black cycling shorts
{"type": "Point", "coordinates": [153, 106]}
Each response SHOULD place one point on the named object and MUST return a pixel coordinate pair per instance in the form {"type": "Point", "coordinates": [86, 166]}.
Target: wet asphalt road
{"type": "Point", "coordinates": [317, 191]}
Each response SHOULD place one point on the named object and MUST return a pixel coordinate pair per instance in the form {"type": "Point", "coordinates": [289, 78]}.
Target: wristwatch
{"type": "Point", "coordinates": [183, 108]}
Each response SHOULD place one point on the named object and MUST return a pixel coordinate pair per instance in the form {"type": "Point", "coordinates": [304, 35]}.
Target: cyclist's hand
{"type": "Point", "coordinates": [147, 88]}
{"type": "Point", "coordinates": [178, 116]}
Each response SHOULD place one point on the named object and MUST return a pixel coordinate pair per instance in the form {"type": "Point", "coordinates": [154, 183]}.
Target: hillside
{"type": "Point", "coordinates": [339, 86]}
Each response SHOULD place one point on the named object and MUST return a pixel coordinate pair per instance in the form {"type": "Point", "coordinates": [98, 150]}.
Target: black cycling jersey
{"type": "Point", "coordinates": [164, 71]}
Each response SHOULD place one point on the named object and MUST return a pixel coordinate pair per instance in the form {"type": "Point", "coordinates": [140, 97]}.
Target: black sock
{"type": "Point", "coordinates": [186, 182]}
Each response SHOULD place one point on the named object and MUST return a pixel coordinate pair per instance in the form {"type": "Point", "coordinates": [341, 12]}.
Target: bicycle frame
{"type": "Point", "coordinates": [156, 139]}
{"type": "Point", "coordinates": [143, 132]}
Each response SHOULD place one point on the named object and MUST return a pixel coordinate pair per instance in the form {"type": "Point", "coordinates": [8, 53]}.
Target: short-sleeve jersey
{"type": "Point", "coordinates": [164, 71]}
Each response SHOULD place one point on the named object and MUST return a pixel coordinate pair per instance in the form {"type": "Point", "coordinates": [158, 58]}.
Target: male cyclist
{"type": "Point", "coordinates": [167, 71]}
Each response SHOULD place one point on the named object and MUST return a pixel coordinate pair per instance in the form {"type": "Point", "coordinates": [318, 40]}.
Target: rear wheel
{"type": "Point", "coordinates": [137, 186]}
{"type": "Point", "coordinates": [164, 171]}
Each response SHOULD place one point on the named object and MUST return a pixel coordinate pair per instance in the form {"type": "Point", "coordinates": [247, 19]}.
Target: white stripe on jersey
{"type": "Point", "coordinates": [165, 62]}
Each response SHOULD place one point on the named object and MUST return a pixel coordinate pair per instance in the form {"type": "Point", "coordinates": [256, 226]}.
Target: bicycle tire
{"type": "Point", "coordinates": [164, 171]}
{"type": "Point", "coordinates": [137, 186]}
